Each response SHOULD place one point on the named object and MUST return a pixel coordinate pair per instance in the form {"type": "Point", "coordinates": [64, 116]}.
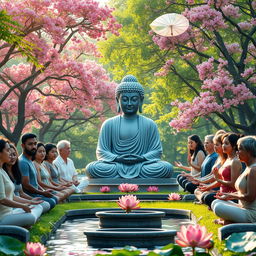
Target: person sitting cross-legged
{"type": "Point", "coordinates": [51, 155]}
{"type": "Point", "coordinates": [13, 171]}
{"type": "Point", "coordinates": [14, 210]}
{"type": "Point", "coordinates": [200, 195]}
{"type": "Point", "coordinates": [43, 175]}
{"type": "Point", "coordinates": [196, 156]}
{"type": "Point", "coordinates": [245, 210]}
{"type": "Point", "coordinates": [207, 164]}
{"type": "Point", "coordinates": [29, 172]}
{"type": "Point", "coordinates": [67, 168]}
{"type": "Point", "coordinates": [226, 176]}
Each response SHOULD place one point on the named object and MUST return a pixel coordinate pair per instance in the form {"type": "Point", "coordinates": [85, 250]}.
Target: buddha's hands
{"type": "Point", "coordinates": [129, 159]}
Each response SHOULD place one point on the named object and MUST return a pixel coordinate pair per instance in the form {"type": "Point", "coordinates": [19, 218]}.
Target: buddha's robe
{"type": "Point", "coordinates": [145, 143]}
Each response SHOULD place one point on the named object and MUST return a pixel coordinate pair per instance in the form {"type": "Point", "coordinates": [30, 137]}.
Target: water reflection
{"type": "Point", "coordinates": [69, 239]}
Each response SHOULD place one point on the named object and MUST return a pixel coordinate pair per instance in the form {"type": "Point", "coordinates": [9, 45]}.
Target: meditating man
{"type": "Point", "coordinates": [129, 144]}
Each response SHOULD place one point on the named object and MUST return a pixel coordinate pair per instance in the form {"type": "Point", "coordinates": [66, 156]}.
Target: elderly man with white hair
{"type": "Point", "coordinates": [67, 168]}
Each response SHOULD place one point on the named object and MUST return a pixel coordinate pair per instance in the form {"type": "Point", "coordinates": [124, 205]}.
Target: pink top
{"type": "Point", "coordinates": [226, 176]}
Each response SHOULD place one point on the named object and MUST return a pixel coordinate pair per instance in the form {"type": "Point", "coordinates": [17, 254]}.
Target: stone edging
{"type": "Point", "coordinates": [72, 214]}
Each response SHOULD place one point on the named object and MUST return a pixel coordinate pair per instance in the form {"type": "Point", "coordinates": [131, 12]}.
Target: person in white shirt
{"type": "Point", "coordinates": [66, 166]}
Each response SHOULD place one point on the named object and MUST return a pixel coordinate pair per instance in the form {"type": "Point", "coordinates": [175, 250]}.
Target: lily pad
{"type": "Point", "coordinates": [10, 245]}
{"type": "Point", "coordinates": [241, 242]}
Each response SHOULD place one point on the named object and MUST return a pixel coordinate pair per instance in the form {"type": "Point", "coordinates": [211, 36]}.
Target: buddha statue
{"type": "Point", "coordinates": [129, 144]}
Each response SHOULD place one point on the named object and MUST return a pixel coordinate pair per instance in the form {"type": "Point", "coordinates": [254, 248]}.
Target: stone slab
{"type": "Point", "coordinates": [164, 184]}
{"type": "Point", "coordinates": [17, 232]}
{"type": "Point", "coordinates": [227, 230]}
{"type": "Point", "coordinates": [115, 197]}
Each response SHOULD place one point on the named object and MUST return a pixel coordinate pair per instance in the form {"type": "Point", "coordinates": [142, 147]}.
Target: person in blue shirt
{"type": "Point", "coordinates": [29, 173]}
{"type": "Point", "coordinates": [207, 164]}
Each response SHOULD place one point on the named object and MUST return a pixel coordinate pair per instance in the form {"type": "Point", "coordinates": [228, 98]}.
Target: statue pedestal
{"type": "Point", "coordinates": [164, 184]}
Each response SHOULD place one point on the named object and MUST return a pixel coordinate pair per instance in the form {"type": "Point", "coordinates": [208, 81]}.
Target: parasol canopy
{"type": "Point", "coordinates": [170, 24]}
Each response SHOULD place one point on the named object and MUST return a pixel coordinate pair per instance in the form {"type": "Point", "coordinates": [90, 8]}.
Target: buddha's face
{"type": "Point", "coordinates": [129, 102]}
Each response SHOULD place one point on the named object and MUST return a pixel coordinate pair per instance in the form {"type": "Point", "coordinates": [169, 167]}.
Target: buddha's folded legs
{"type": "Point", "coordinates": [99, 169]}
{"type": "Point", "coordinates": [148, 169]}
{"type": "Point", "coordinates": [159, 169]}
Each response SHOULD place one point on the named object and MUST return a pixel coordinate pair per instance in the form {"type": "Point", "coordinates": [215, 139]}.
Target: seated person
{"type": "Point", "coordinates": [43, 175]}
{"type": "Point", "coordinates": [196, 156]}
{"type": "Point", "coordinates": [129, 144]}
{"type": "Point", "coordinates": [245, 210]}
{"type": "Point", "coordinates": [67, 168]}
{"type": "Point", "coordinates": [13, 171]}
{"type": "Point", "coordinates": [13, 209]}
{"type": "Point", "coordinates": [28, 170]}
{"type": "Point", "coordinates": [226, 176]}
{"type": "Point", "coordinates": [200, 195]}
{"type": "Point", "coordinates": [207, 164]}
{"type": "Point", "coordinates": [51, 155]}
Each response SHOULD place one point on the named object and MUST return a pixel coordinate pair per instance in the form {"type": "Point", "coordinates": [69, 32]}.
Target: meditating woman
{"type": "Point", "coordinates": [196, 156]}
{"type": "Point", "coordinates": [14, 210]}
{"type": "Point", "coordinates": [44, 178]}
{"type": "Point", "coordinates": [13, 171]}
{"type": "Point", "coordinates": [51, 154]}
{"type": "Point", "coordinates": [227, 174]}
{"type": "Point", "coordinates": [200, 195]}
{"type": "Point", "coordinates": [245, 210]}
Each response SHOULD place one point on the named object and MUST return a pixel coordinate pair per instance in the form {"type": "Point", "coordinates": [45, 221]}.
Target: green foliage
{"type": "Point", "coordinates": [11, 33]}
{"type": "Point", "coordinates": [241, 242]}
{"type": "Point", "coordinates": [11, 246]}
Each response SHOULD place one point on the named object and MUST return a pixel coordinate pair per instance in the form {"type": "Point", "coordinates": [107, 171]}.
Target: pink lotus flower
{"type": "Point", "coordinates": [126, 188]}
{"type": "Point", "coordinates": [105, 189]}
{"type": "Point", "coordinates": [34, 249]}
{"type": "Point", "coordinates": [152, 189]}
{"type": "Point", "coordinates": [194, 236]}
{"type": "Point", "coordinates": [128, 203]}
{"type": "Point", "coordinates": [174, 197]}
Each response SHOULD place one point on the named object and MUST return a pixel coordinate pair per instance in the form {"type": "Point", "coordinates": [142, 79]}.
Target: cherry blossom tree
{"type": "Point", "coordinates": [219, 48]}
{"type": "Point", "coordinates": [69, 80]}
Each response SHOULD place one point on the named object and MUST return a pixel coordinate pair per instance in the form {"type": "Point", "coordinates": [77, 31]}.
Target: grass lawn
{"type": "Point", "coordinates": [205, 217]}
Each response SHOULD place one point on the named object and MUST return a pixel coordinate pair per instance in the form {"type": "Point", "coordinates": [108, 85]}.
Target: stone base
{"type": "Point", "coordinates": [225, 231]}
{"type": "Point", "coordinates": [163, 184]}
{"type": "Point", "coordinates": [17, 232]}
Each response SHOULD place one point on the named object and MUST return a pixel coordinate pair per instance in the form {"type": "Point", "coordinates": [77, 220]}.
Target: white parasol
{"type": "Point", "coordinates": [171, 24]}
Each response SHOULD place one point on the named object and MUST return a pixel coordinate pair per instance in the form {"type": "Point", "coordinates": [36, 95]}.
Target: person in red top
{"type": "Point", "coordinates": [227, 174]}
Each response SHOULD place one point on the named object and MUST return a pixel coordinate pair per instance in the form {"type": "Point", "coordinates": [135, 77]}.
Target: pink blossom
{"type": "Point", "coordinates": [152, 189]}
{"type": "Point", "coordinates": [105, 189]}
{"type": "Point", "coordinates": [205, 69]}
{"type": "Point", "coordinates": [245, 25]}
{"type": "Point", "coordinates": [233, 48]}
{"type": "Point", "coordinates": [174, 197]}
{"type": "Point", "coordinates": [194, 236]}
{"type": "Point", "coordinates": [34, 249]}
{"type": "Point", "coordinates": [248, 72]}
{"type": "Point", "coordinates": [210, 19]}
{"type": "Point", "coordinates": [127, 188]}
{"type": "Point", "coordinates": [128, 203]}
{"type": "Point", "coordinates": [231, 11]}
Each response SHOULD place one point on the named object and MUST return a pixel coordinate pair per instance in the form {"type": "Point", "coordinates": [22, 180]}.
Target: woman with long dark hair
{"type": "Point", "coordinates": [200, 195]}
{"type": "Point", "coordinates": [13, 171]}
{"type": "Point", "coordinates": [44, 177]}
{"type": "Point", "coordinates": [51, 155]}
{"type": "Point", "coordinates": [195, 158]}
{"type": "Point", "coordinates": [13, 210]}
{"type": "Point", "coordinates": [227, 174]}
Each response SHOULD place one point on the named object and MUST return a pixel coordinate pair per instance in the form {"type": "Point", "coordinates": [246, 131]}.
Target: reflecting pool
{"type": "Point", "coordinates": [69, 238]}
